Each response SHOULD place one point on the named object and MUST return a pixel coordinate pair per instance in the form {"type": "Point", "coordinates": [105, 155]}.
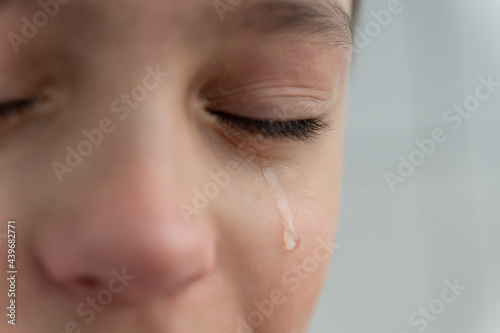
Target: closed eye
{"type": "Point", "coordinates": [294, 129]}
{"type": "Point", "coordinates": [16, 108]}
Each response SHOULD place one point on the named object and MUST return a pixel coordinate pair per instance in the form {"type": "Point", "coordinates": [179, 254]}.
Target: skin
{"type": "Point", "coordinates": [120, 207]}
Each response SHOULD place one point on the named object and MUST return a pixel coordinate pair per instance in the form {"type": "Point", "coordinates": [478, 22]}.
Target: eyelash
{"type": "Point", "coordinates": [294, 129]}
{"type": "Point", "coordinates": [16, 108]}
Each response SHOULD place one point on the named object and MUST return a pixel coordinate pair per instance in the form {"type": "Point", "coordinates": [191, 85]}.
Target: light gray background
{"type": "Point", "coordinates": [396, 249]}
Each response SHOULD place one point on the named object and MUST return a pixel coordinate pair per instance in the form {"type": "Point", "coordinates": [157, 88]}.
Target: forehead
{"type": "Point", "coordinates": [194, 18]}
{"type": "Point", "coordinates": [114, 34]}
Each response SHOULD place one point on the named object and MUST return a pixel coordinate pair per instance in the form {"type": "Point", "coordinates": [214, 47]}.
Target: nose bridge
{"type": "Point", "coordinates": [146, 129]}
{"type": "Point", "coordinates": [153, 150]}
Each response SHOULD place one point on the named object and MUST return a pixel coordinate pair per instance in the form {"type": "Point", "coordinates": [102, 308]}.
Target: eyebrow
{"type": "Point", "coordinates": [323, 20]}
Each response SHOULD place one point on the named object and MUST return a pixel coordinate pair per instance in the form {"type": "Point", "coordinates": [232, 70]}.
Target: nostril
{"type": "Point", "coordinates": [83, 286]}
{"type": "Point", "coordinates": [136, 263]}
{"type": "Point", "coordinates": [87, 282]}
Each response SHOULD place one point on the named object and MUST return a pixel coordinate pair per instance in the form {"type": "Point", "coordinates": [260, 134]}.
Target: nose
{"type": "Point", "coordinates": [130, 240]}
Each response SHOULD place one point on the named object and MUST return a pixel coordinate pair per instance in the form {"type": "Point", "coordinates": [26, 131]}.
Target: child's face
{"type": "Point", "coordinates": [145, 198]}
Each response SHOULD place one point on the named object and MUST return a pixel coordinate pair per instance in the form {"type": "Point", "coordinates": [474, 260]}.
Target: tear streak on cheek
{"type": "Point", "coordinates": [290, 236]}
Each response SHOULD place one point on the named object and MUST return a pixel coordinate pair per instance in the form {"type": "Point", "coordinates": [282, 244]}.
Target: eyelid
{"type": "Point", "coordinates": [15, 111]}
{"type": "Point", "coordinates": [302, 129]}
{"type": "Point", "coordinates": [269, 101]}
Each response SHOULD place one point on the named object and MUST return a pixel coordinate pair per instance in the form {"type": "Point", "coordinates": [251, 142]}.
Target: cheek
{"type": "Point", "coordinates": [252, 248]}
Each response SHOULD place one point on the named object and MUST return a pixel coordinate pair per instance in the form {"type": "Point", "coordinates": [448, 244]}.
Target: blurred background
{"type": "Point", "coordinates": [400, 247]}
